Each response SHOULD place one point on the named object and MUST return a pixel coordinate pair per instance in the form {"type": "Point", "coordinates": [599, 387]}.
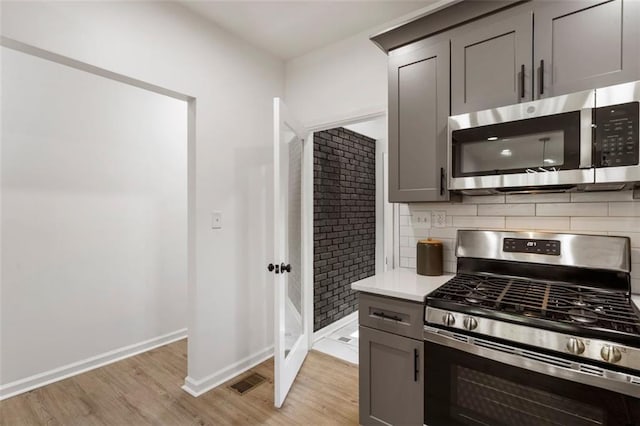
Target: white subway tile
{"type": "Point", "coordinates": [538, 198]}
{"type": "Point", "coordinates": [404, 262]}
{"type": "Point", "coordinates": [407, 231]}
{"type": "Point", "coordinates": [483, 199]}
{"type": "Point", "coordinates": [635, 271]}
{"type": "Point", "coordinates": [624, 209]}
{"type": "Point", "coordinates": [449, 243]}
{"type": "Point", "coordinates": [449, 267]}
{"type": "Point", "coordinates": [443, 232]}
{"type": "Point", "coordinates": [450, 256]}
{"type": "Point", "coordinates": [479, 222]}
{"type": "Point", "coordinates": [449, 209]}
{"type": "Point", "coordinates": [405, 220]}
{"type": "Point", "coordinates": [539, 223]}
{"type": "Point", "coordinates": [421, 206]}
{"type": "Point", "coordinates": [506, 210]}
{"type": "Point", "coordinates": [605, 223]}
{"type": "Point", "coordinates": [572, 209]}
{"type": "Point", "coordinates": [404, 241]}
{"type": "Point", "coordinates": [634, 236]}
{"type": "Point", "coordinates": [582, 197]}
{"type": "Point", "coordinates": [573, 231]}
{"type": "Point", "coordinates": [403, 209]}
{"type": "Point", "coordinates": [407, 252]}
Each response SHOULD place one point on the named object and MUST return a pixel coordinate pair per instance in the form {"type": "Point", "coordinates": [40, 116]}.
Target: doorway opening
{"type": "Point", "coordinates": [348, 227]}
{"type": "Point", "coordinates": [97, 188]}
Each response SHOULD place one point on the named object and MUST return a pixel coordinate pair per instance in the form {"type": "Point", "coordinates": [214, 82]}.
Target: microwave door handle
{"type": "Point", "coordinates": [586, 138]}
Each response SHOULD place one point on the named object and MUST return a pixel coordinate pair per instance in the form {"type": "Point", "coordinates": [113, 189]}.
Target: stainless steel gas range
{"type": "Point", "coordinates": [534, 329]}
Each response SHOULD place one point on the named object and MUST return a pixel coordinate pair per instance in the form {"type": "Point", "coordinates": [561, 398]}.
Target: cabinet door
{"type": "Point", "coordinates": [391, 379]}
{"type": "Point", "coordinates": [491, 63]}
{"type": "Point", "coordinates": [418, 111]}
{"type": "Point", "coordinates": [585, 45]}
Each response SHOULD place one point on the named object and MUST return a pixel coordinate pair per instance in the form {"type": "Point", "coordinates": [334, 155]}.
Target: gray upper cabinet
{"type": "Point", "coordinates": [418, 111]}
{"type": "Point", "coordinates": [391, 379]}
{"type": "Point", "coordinates": [491, 62]}
{"type": "Point", "coordinates": [584, 45]}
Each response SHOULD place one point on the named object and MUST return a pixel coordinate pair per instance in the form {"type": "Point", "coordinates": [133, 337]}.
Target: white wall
{"type": "Point", "coordinates": [230, 318]}
{"type": "Point", "coordinates": [340, 81]}
{"type": "Point", "coordinates": [94, 215]}
{"type": "Point", "coordinates": [343, 80]}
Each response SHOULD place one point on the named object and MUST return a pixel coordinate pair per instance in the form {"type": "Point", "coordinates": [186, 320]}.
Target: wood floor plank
{"type": "Point", "coordinates": [146, 390]}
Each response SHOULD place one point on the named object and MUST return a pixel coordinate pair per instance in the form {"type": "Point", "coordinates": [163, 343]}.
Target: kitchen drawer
{"type": "Point", "coordinates": [392, 315]}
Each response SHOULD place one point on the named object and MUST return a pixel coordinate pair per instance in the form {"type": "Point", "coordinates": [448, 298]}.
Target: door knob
{"type": "Point", "coordinates": [286, 267]}
{"type": "Point", "coordinates": [273, 267]}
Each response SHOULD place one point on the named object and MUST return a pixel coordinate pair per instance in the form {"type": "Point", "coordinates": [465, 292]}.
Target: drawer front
{"type": "Point", "coordinates": [391, 315]}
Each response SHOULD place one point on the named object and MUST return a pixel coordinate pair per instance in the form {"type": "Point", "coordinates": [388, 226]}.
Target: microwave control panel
{"type": "Point", "coordinates": [616, 135]}
{"type": "Point", "coordinates": [535, 246]}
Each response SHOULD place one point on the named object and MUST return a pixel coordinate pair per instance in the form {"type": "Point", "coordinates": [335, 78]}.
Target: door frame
{"type": "Point", "coordinates": [389, 211]}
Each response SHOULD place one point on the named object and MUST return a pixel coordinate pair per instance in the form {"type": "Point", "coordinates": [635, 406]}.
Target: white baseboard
{"type": "Point", "coordinates": [29, 383]}
{"type": "Point", "coordinates": [198, 387]}
{"type": "Point", "coordinates": [324, 332]}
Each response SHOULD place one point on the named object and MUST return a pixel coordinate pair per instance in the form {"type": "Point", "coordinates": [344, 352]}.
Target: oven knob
{"type": "Point", "coordinates": [448, 319]}
{"type": "Point", "coordinates": [610, 354]}
{"type": "Point", "coordinates": [470, 323]}
{"type": "Point", "coordinates": [575, 346]}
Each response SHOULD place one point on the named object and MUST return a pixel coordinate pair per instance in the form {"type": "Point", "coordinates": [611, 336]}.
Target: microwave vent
{"type": "Point", "coordinates": [604, 187]}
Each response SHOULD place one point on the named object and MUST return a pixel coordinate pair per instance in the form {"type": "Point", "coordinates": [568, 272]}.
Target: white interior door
{"type": "Point", "coordinates": [291, 296]}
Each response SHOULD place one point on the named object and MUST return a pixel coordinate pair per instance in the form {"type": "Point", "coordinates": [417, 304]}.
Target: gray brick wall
{"type": "Point", "coordinates": [344, 215]}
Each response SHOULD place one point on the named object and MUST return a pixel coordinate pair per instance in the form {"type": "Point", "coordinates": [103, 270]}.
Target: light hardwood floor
{"type": "Point", "coordinates": [145, 389]}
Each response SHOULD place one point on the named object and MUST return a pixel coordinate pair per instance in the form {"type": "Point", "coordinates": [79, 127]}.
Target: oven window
{"type": "Point", "coordinates": [504, 401]}
{"type": "Point", "coordinates": [534, 145]}
{"type": "Point", "coordinates": [462, 388]}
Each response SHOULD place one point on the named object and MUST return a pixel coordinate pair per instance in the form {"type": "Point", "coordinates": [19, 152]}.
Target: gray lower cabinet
{"type": "Point", "coordinates": [391, 379]}
{"type": "Point", "coordinates": [491, 62]}
{"type": "Point", "coordinates": [418, 111]}
{"type": "Point", "coordinates": [585, 45]}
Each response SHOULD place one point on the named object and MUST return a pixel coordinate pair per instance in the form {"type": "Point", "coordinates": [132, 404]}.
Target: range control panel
{"type": "Point", "coordinates": [526, 245]}
{"type": "Point", "coordinates": [616, 135]}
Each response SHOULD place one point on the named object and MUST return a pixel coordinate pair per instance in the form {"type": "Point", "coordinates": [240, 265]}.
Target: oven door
{"type": "Point", "coordinates": [468, 382]}
{"type": "Point", "coordinates": [535, 144]}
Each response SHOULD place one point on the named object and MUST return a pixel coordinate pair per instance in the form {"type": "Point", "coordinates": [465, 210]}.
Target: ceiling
{"type": "Point", "coordinates": [292, 28]}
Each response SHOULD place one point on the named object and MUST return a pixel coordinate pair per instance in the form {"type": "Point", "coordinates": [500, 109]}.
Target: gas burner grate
{"type": "Point", "coordinates": [576, 305]}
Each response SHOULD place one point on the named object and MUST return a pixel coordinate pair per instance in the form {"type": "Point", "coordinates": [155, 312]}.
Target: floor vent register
{"type": "Point", "coordinates": [248, 383]}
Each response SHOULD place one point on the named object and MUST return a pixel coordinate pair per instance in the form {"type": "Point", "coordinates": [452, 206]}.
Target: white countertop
{"type": "Point", "coordinates": [402, 283]}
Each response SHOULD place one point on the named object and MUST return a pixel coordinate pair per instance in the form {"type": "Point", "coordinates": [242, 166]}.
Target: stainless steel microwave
{"type": "Point", "coordinates": [581, 141]}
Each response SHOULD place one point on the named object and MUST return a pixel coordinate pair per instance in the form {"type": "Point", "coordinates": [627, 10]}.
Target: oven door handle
{"type": "Point", "coordinates": [537, 362]}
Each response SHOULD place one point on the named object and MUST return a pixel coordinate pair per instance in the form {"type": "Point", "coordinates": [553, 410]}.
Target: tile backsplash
{"type": "Point", "coordinates": [603, 213]}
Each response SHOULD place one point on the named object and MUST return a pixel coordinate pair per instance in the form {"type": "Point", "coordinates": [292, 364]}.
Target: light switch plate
{"type": "Point", "coordinates": [439, 219]}
{"type": "Point", "coordinates": [421, 219]}
{"type": "Point", "coordinates": [216, 220]}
